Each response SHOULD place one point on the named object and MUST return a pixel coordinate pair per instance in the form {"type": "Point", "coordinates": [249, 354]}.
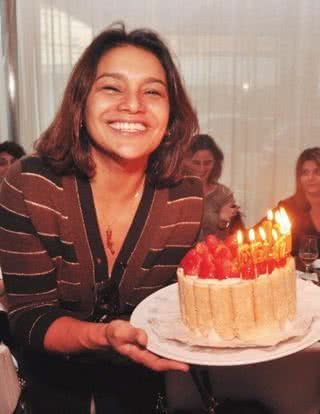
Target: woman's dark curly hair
{"type": "Point", "coordinates": [206, 142]}
{"type": "Point", "coordinates": [65, 145]}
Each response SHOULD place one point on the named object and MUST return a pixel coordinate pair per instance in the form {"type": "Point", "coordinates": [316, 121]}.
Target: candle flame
{"type": "Point", "coordinates": [283, 212]}
{"type": "Point", "coordinates": [284, 222]}
{"type": "Point", "coordinates": [252, 235]}
{"type": "Point", "coordinates": [277, 217]}
{"type": "Point", "coordinates": [270, 215]}
{"type": "Point", "coordinates": [262, 234]}
{"type": "Point", "coordinates": [239, 237]}
{"type": "Point", "coordinates": [274, 234]}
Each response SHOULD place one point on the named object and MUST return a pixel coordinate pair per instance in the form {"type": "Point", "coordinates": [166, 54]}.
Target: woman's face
{"type": "Point", "coordinates": [127, 109]}
{"type": "Point", "coordinates": [5, 161]}
{"type": "Point", "coordinates": [310, 178]}
{"type": "Point", "coordinates": [201, 164]}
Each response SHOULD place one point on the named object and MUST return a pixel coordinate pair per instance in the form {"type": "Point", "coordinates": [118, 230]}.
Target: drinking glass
{"type": "Point", "coordinates": [308, 251]}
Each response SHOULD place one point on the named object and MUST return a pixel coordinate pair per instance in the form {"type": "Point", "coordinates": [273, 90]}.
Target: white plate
{"type": "Point", "coordinates": [151, 306]}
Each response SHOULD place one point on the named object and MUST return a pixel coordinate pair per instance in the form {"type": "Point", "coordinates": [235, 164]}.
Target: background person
{"type": "Point", "coordinates": [221, 214]}
{"type": "Point", "coordinates": [9, 152]}
{"type": "Point", "coordinates": [95, 222]}
{"type": "Point", "coordinates": [303, 207]}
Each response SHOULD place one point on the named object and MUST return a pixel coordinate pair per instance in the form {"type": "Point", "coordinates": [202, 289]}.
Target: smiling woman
{"type": "Point", "coordinates": [95, 221]}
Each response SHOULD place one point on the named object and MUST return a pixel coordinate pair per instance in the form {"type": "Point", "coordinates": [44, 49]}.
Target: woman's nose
{"type": "Point", "coordinates": [131, 102]}
{"type": "Point", "coordinates": [202, 168]}
{"type": "Point", "coordinates": [311, 175]}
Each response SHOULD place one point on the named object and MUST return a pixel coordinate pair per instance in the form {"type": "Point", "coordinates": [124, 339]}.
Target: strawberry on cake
{"type": "Point", "coordinates": [229, 291]}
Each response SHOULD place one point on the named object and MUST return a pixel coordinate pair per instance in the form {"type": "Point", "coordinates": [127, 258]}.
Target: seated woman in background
{"type": "Point", "coordinates": [303, 207]}
{"type": "Point", "coordinates": [221, 214]}
{"type": "Point", "coordinates": [94, 222]}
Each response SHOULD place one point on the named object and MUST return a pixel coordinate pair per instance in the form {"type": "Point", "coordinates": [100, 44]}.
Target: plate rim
{"type": "Point", "coordinates": [283, 349]}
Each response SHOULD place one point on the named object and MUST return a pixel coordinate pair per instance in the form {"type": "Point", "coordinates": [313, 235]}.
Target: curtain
{"type": "Point", "coordinates": [4, 89]}
{"type": "Point", "coordinates": [250, 67]}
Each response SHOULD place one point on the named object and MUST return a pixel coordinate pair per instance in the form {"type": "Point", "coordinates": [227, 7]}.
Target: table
{"type": "Point", "coordinates": [289, 385]}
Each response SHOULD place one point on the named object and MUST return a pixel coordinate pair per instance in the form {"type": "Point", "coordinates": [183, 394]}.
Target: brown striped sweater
{"type": "Point", "coordinates": [52, 256]}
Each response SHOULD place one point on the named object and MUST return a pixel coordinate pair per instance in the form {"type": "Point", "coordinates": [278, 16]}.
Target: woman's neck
{"type": "Point", "coordinates": [122, 180]}
{"type": "Point", "coordinates": [208, 187]}
{"type": "Point", "coordinates": [314, 200]}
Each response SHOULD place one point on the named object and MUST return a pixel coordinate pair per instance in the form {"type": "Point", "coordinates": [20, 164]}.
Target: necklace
{"type": "Point", "coordinates": [109, 240]}
{"type": "Point", "coordinates": [109, 232]}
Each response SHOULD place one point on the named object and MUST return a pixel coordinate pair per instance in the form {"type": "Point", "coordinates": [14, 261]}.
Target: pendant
{"type": "Point", "coordinates": [109, 240]}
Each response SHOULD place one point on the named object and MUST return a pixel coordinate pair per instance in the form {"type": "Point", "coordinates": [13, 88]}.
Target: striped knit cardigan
{"type": "Point", "coordinates": [48, 261]}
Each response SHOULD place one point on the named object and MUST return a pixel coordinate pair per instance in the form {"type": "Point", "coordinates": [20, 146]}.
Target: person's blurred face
{"type": "Point", "coordinates": [310, 178]}
{"type": "Point", "coordinates": [5, 161]}
{"type": "Point", "coordinates": [201, 164]}
{"type": "Point", "coordinates": [127, 110]}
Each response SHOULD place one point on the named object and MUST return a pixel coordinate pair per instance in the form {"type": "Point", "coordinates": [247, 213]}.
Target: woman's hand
{"type": "Point", "coordinates": [131, 342]}
{"type": "Point", "coordinates": [228, 211]}
{"type": "Point", "coordinates": [118, 334]}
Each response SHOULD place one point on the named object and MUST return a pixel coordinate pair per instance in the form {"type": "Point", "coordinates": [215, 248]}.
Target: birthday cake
{"type": "Point", "coordinates": [239, 290]}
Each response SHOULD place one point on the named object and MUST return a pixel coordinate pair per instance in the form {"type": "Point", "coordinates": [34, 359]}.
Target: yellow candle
{"type": "Point", "coordinates": [254, 246]}
{"type": "Point", "coordinates": [275, 251]}
{"type": "Point", "coordinates": [265, 244]}
{"type": "Point", "coordinates": [277, 220]}
{"type": "Point", "coordinates": [286, 230]}
{"type": "Point", "coordinates": [267, 225]}
{"type": "Point", "coordinates": [244, 253]}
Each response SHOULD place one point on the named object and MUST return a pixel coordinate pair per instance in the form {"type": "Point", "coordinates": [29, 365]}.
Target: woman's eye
{"type": "Point", "coordinates": [111, 88]}
{"type": "Point", "coordinates": [153, 92]}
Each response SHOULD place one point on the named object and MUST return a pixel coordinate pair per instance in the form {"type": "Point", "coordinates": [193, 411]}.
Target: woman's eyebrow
{"type": "Point", "coordinates": [119, 76]}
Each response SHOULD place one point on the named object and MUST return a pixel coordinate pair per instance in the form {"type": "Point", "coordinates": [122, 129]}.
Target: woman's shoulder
{"type": "Point", "coordinates": [294, 204]}
{"type": "Point", "coordinates": [189, 186]}
{"type": "Point", "coordinates": [30, 173]}
{"type": "Point", "coordinates": [223, 189]}
{"type": "Point", "coordinates": [221, 194]}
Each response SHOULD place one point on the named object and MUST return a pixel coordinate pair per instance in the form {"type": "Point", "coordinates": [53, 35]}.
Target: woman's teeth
{"type": "Point", "coordinates": [128, 126]}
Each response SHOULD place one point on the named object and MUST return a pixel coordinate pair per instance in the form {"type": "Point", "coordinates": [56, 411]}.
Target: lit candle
{"type": "Point", "coordinates": [286, 230]}
{"type": "Point", "coordinates": [267, 225]}
{"type": "Point", "coordinates": [257, 253]}
{"type": "Point", "coordinates": [275, 247]}
{"type": "Point", "coordinates": [244, 258]}
{"type": "Point", "coordinates": [253, 245]}
{"type": "Point", "coordinates": [265, 248]}
{"type": "Point", "coordinates": [277, 219]}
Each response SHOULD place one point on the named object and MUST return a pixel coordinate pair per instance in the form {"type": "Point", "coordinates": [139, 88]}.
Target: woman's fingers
{"type": "Point", "coordinates": [132, 342]}
{"type": "Point", "coordinates": [152, 361]}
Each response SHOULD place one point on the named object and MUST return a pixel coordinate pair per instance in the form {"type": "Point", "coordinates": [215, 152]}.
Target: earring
{"type": "Point", "coordinates": [167, 136]}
